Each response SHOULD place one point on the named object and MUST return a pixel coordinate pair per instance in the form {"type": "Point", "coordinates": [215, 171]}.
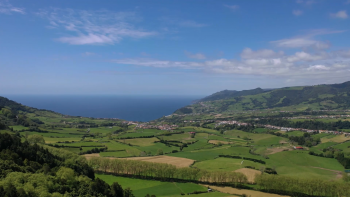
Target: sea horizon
{"type": "Point", "coordinates": [128, 107]}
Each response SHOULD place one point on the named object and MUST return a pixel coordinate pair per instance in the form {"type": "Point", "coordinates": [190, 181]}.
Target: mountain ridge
{"type": "Point", "coordinates": [317, 97]}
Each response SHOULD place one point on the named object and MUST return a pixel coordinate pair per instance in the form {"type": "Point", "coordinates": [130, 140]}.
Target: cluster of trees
{"type": "Point", "coordinates": [244, 158]}
{"type": "Point", "coordinates": [165, 172]}
{"type": "Point", "coordinates": [3, 126]}
{"type": "Point", "coordinates": [224, 127]}
{"type": "Point", "coordinates": [306, 140]}
{"type": "Point", "coordinates": [94, 150]}
{"type": "Point", "coordinates": [301, 187]}
{"type": "Point", "coordinates": [29, 169]}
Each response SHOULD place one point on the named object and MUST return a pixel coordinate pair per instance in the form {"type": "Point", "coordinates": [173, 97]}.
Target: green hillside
{"type": "Point", "coordinates": [320, 97]}
{"type": "Point", "coordinates": [227, 94]}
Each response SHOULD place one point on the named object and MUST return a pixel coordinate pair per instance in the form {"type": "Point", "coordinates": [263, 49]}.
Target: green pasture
{"type": "Point", "coordinates": [185, 137]}
{"type": "Point", "coordinates": [208, 154]}
{"type": "Point", "coordinates": [140, 141]}
{"type": "Point", "coordinates": [295, 133]}
{"type": "Point", "coordinates": [200, 144]}
{"type": "Point", "coordinates": [257, 138]}
{"type": "Point", "coordinates": [141, 133]}
{"type": "Point", "coordinates": [18, 127]}
{"type": "Point", "coordinates": [301, 164]}
{"type": "Point", "coordinates": [141, 187]}
{"type": "Point", "coordinates": [156, 146]}
{"type": "Point", "coordinates": [50, 140]}
{"type": "Point", "coordinates": [260, 130]}
{"type": "Point", "coordinates": [225, 164]}
{"type": "Point", "coordinates": [127, 153]}
{"type": "Point", "coordinates": [319, 147]}
{"type": "Point", "coordinates": [343, 146]}
{"type": "Point", "coordinates": [321, 135]}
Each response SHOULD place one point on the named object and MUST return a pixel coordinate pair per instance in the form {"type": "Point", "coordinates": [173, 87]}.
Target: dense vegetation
{"type": "Point", "coordinates": [32, 170]}
{"type": "Point", "coordinates": [166, 172]}
{"type": "Point", "coordinates": [301, 187]}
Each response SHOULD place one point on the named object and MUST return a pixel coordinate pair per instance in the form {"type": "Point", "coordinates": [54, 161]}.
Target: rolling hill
{"type": "Point", "coordinates": [319, 97]}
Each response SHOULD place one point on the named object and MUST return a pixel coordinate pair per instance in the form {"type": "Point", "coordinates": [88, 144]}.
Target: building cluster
{"type": "Point", "coordinates": [287, 129]}
{"type": "Point", "coordinates": [160, 127]}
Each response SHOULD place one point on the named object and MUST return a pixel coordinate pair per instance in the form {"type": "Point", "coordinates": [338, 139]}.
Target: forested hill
{"type": "Point", "coordinates": [227, 94]}
{"type": "Point", "coordinates": [319, 97]}
{"type": "Point", "coordinates": [17, 107]}
{"type": "Point", "coordinates": [13, 113]}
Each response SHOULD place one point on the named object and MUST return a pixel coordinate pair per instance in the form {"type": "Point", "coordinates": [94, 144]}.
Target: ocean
{"type": "Point", "coordinates": [134, 108]}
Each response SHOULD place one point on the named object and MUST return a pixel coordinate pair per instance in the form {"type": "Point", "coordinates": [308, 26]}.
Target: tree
{"type": "Point", "coordinates": [11, 191]}
{"type": "Point", "coordinates": [160, 152]}
{"type": "Point", "coordinates": [101, 187]}
{"type": "Point", "coordinates": [116, 190]}
{"type": "Point", "coordinates": [66, 174]}
{"type": "Point", "coordinates": [36, 139]}
{"type": "Point", "coordinates": [128, 193]}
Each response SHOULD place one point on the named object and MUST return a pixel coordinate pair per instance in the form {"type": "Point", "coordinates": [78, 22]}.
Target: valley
{"type": "Point", "coordinates": [187, 153]}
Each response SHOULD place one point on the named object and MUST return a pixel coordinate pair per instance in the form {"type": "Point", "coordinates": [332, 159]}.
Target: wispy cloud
{"type": "Point", "coordinates": [88, 54]}
{"type": "Point", "coordinates": [306, 41]}
{"type": "Point", "coordinates": [232, 7]}
{"type": "Point", "coordinates": [297, 12]}
{"type": "Point", "coordinates": [301, 43]}
{"type": "Point", "coordinates": [248, 53]}
{"type": "Point", "coordinates": [306, 2]}
{"type": "Point", "coordinates": [7, 8]}
{"type": "Point", "coordinates": [341, 14]}
{"type": "Point", "coordinates": [190, 23]}
{"type": "Point", "coordinates": [94, 27]}
{"type": "Point", "coordinates": [198, 56]}
{"type": "Point", "coordinates": [182, 23]}
{"type": "Point", "coordinates": [264, 62]}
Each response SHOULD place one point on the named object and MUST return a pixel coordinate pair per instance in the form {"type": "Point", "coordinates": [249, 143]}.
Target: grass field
{"type": "Point", "coordinates": [208, 154]}
{"type": "Point", "coordinates": [240, 192]}
{"type": "Point", "coordinates": [140, 141]}
{"type": "Point", "coordinates": [335, 138]}
{"type": "Point", "coordinates": [295, 133]}
{"type": "Point", "coordinates": [226, 164]}
{"type": "Point", "coordinates": [18, 127]}
{"type": "Point", "coordinates": [141, 187]}
{"type": "Point", "coordinates": [301, 164]}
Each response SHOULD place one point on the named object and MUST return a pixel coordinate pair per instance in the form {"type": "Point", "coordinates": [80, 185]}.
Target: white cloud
{"type": "Point", "coordinates": [94, 27]}
{"type": "Point", "coordinates": [302, 42]}
{"type": "Point", "coordinates": [248, 53]}
{"type": "Point", "coordinates": [198, 56]}
{"type": "Point", "coordinates": [341, 14]}
{"type": "Point", "coordinates": [232, 7]}
{"type": "Point", "coordinates": [7, 8]}
{"type": "Point", "coordinates": [297, 12]}
{"type": "Point", "coordinates": [318, 67]}
{"type": "Point", "coordinates": [303, 56]}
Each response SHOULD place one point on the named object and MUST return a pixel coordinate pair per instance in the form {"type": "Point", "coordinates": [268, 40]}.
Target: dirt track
{"type": "Point", "coordinates": [338, 173]}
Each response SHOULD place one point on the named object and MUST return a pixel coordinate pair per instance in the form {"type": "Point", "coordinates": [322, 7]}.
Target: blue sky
{"type": "Point", "coordinates": [193, 47]}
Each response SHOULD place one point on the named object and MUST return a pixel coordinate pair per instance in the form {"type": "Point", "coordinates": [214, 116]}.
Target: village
{"type": "Point", "coordinates": [285, 129]}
